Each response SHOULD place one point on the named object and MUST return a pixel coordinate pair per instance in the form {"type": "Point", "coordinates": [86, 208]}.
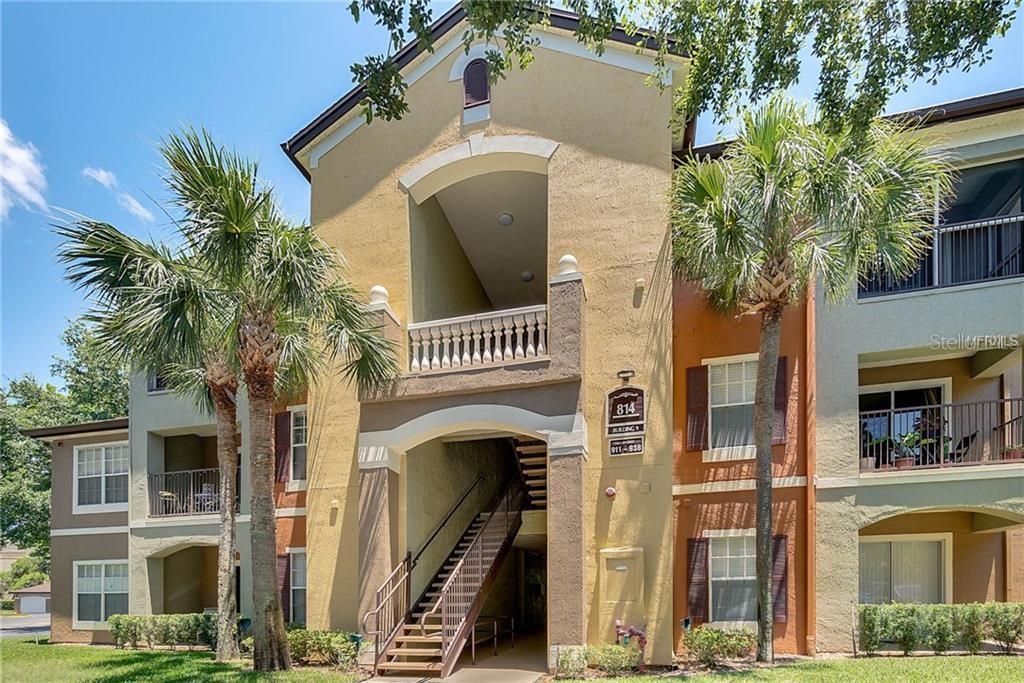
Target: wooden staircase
{"type": "Point", "coordinates": [428, 639]}
{"type": "Point", "coordinates": [532, 456]}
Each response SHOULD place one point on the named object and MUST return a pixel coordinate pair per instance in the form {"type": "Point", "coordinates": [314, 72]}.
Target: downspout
{"type": "Point", "coordinates": [810, 412]}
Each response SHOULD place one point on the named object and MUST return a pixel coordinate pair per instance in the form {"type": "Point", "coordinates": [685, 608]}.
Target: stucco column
{"type": "Point", "coordinates": [837, 563]}
{"type": "Point", "coordinates": [566, 539]}
{"type": "Point", "coordinates": [378, 522]}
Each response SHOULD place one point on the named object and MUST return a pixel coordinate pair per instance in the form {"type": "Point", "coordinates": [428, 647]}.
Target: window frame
{"type": "Point", "coordinates": [947, 556]}
{"type": "Point", "coordinates": [294, 484]}
{"type": "Point", "coordinates": [292, 552]}
{"type": "Point", "coordinates": [711, 535]}
{"type": "Point", "coordinates": [95, 508]}
{"type": "Point", "coordinates": [729, 453]}
{"type": "Point", "coordinates": [76, 623]}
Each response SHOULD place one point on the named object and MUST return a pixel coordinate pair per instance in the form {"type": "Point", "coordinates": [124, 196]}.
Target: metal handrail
{"type": "Point", "coordinates": [451, 512]}
{"type": "Point", "coordinates": [454, 617]}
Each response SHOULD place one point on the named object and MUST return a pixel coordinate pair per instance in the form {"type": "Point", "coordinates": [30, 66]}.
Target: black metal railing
{"type": "Point", "coordinates": [187, 492]}
{"type": "Point", "coordinates": [960, 254]}
{"type": "Point", "coordinates": [945, 435]}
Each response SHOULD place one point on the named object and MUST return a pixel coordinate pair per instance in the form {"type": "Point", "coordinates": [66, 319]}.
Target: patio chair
{"type": "Point", "coordinates": [958, 453]}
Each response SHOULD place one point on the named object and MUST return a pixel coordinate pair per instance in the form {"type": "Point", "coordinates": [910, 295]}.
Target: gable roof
{"type": "Point", "coordinates": [449, 20]}
{"type": "Point", "coordinates": [117, 424]}
{"type": "Point", "coordinates": [39, 588]}
{"type": "Point", "coordinates": [947, 112]}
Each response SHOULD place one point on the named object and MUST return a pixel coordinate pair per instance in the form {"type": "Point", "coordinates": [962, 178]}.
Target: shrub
{"type": "Point", "coordinates": [939, 627]}
{"type": "Point", "coordinates": [572, 663]}
{"type": "Point", "coordinates": [190, 630]}
{"type": "Point", "coordinates": [126, 629]}
{"type": "Point", "coordinates": [1005, 622]}
{"type": "Point", "coordinates": [298, 645]}
{"type": "Point", "coordinates": [902, 625]}
{"type": "Point", "coordinates": [7, 604]}
{"type": "Point", "coordinates": [613, 660]}
{"type": "Point", "coordinates": [969, 621]}
{"type": "Point", "coordinates": [710, 646]}
{"type": "Point", "coordinates": [870, 628]}
{"type": "Point", "coordinates": [333, 648]}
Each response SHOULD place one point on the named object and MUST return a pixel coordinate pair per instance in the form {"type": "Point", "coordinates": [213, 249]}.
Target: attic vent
{"type": "Point", "coordinates": [474, 83]}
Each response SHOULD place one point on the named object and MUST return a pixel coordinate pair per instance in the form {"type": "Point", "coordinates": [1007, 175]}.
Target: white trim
{"type": "Point", "coordinates": [477, 114]}
{"type": "Point", "coordinates": [622, 57]}
{"type": "Point", "coordinates": [294, 485]}
{"type": "Point", "coordinates": [925, 476]}
{"type": "Point", "coordinates": [291, 586]}
{"type": "Point", "coordinates": [295, 549]}
{"type": "Point", "coordinates": [98, 508]}
{"type": "Point", "coordinates": [911, 360]}
{"type": "Point", "coordinates": [290, 512]}
{"type": "Point", "coordinates": [727, 533]}
{"type": "Point", "coordinates": [945, 382]}
{"type": "Point", "coordinates": [300, 484]}
{"type": "Point", "coordinates": [721, 360]}
{"type": "Point", "coordinates": [735, 485]}
{"type": "Point", "coordinates": [733, 453]}
{"type": "Point", "coordinates": [77, 625]}
{"type": "Point", "coordinates": [947, 554]}
{"type": "Point", "coordinates": [476, 51]}
{"type": "Point", "coordinates": [729, 625]}
{"type": "Point", "coordinates": [89, 531]}
{"type": "Point", "coordinates": [81, 435]}
{"type": "Point", "coordinates": [211, 518]}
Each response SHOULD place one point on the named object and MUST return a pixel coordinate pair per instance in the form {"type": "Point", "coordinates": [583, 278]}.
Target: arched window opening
{"type": "Point", "coordinates": [475, 86]}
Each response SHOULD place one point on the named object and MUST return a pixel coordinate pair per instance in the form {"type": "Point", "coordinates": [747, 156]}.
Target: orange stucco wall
{"type": "Point", "coordinates": [700, 333]}
{"type": "Point", "coordinates": [736, 510]}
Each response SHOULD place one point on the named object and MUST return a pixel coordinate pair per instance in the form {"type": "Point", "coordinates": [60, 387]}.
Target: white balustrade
{"type": "Point", "coordinates": [481, 339]}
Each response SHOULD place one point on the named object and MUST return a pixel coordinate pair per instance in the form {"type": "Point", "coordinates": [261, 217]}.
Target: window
{"type": "Point", "coordinates": [475, 86]}
{"type": "Point", "coordinates": [733, 578]}
{"type": "Point", "coordinates": [155, 383]}
{"type": "Point", "coordinates": [298, 586]}
{"type": "Point", "coordinates": [911, 570]}
{"type": "Point", "coordinates": [101, 478]}
{"type": "Point", "coordinates": [897, 419]}
{"type": "Point", "coordinates": [298, 455]}
{"type": "Point", "coordinates": [101, 590]}
{"type": "Point", "coordinates": [731, 403]}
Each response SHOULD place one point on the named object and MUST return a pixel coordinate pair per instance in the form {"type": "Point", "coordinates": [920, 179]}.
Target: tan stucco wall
{"type": "Point", "coordinates": [443, 283]}
{"type": "Point", "coordinates": [62, 479]}
{"type": "Point", "coordinates": [435, 475]}
{"type": "Point", "coordinates": [965, 388]}
{"type": "Point", "coordinates": [65, 550]}
{"type": "Point", "coordinates": [607, 205]}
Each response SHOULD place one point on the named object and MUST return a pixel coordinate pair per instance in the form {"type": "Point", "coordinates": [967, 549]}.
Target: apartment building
{"type": "Point", "coordinates": [569, 444]}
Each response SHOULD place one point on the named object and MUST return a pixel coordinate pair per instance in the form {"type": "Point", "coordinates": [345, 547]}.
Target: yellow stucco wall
{"type": "Point", "coordinates": [607, 205]}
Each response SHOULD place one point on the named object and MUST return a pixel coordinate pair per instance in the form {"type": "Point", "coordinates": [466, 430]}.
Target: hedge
{"type": "Point", "coordinates": [7, 604]}
{"type": "Point", "coordinates": [712, 646]}
{"type": "Point", "coordinates": [189, 630]}
{"type": "Point", "coordinates": [941, 627]}
{"type": "Point", "coordinates": [333, 648]}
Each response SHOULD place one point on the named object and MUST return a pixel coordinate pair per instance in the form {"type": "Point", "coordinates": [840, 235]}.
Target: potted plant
{"type": "Point", "coordinates": [1014, 452]}
{"type": "Point", "coordinates": [908, 446]}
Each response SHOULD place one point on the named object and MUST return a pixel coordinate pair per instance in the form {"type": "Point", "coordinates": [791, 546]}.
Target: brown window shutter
{"type": "Point", "coordinates": [780, 571]}
{"type": "Point", "coordinates": [282, 445]}
{"type": "Point", "coordinates": [284, 581]}
{"type": "Point", "coordinates": [475, 85]}
{"type": "Point", "coordinates": [781, 401]}
{"type": "Point", "coordinates": [697, 408]}
{"type": "Point", "coordinates": [697, 578]}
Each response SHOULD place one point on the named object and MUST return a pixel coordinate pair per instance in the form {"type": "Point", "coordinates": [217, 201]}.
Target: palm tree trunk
{"type": "Point", "coordinates": [227, 461]}
{"type": "Point", "coordinates": [764, 418]}
{"type": "Point", "coordinates": [270, 643]}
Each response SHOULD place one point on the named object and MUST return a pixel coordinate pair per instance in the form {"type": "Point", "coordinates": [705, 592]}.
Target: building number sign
{"type": "Point", "coordinates": [626, 417]}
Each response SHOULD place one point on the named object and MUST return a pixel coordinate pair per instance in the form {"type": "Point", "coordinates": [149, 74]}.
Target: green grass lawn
{"type": "Point", "coordinates": [871, 670]}
{"type": "Point", "coordinates": [24, 661]}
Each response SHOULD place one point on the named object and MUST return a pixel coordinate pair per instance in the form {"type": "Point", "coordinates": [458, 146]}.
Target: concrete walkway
{"type": "Point", "coordinates": [525, 663]}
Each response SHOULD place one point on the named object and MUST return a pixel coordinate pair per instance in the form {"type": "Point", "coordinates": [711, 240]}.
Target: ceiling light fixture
{"type": "Point", "coordinates": [526, 275]}
{"type": "Point", "coordinates": [505, 218]}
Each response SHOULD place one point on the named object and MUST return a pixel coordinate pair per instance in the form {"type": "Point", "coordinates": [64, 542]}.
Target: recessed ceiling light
{"type": "Point", "coordinates": [505, 218]}
{"type": "Point", "coordinates": [526, 275]}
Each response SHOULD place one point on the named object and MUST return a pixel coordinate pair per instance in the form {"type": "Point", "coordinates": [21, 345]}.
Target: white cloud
{"type": "Point", "coordinates": [22, 180]}
{"type": "Point", "coordinates": [108, 179]}
{"type": "Point", "coordinates": [132, 206]}
{"type": "Point", "coordinates": [102, 176]}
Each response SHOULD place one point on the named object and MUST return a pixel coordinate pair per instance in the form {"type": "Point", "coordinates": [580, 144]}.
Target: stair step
{"type": "Point", "coordinates": [537, 472]}
{"type": "Point", "coordinates": [415, 652]}
{"type": "Point", "coordinates": [418, 639]}
{"type": "Point", "coordinates": [538, 494]}
{"type": "Point", "coordinates": [410, 666]}
{"type": "Point", "coordinates": [537, 482]}
{"type": "Point", "coordinates": [540, 447]}
{"type": "Point", "coordinates": [538, 460]}
{"type": "Point", "coordinates": [430, 628]}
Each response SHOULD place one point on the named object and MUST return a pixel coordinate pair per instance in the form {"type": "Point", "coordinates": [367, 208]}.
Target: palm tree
{"type": "Point", "coordinates": [292, 315]}
{"type": "Point", "coordinates": [786, 205]}
{"type": "Point", "coordinates": [156, 311]}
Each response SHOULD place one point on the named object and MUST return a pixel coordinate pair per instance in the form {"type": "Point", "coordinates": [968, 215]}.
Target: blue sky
{"type": "Point", "coordinates": [86, 90]}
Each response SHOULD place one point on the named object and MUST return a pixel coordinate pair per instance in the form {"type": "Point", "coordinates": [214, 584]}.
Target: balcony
{"type": "Point", "coordinates": [961, 253]}
{"type": "Point", "coordinates": [942, 435]}
{"type": "Point", "coordinates": [482, 339]}
{"type": "Point", "coordinates": [186, 492]}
